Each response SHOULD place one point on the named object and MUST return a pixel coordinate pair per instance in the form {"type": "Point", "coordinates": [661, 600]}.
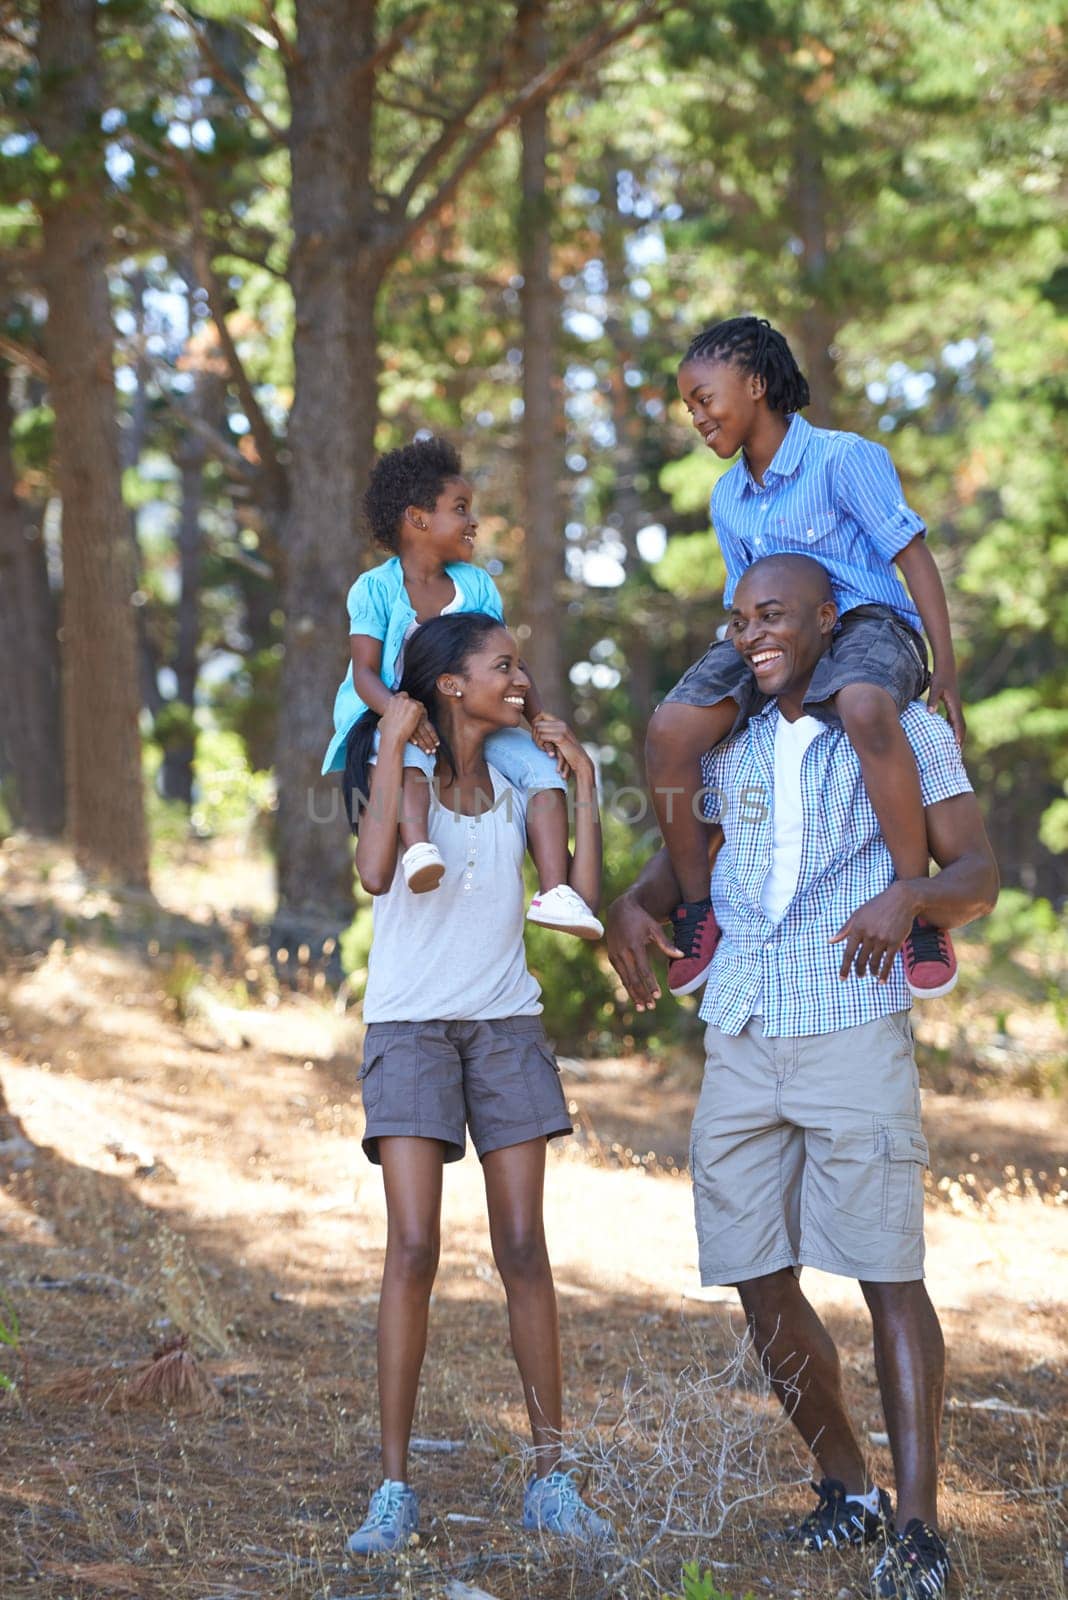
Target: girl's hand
{"type": "Point", "coordinates": [944, 690]}
{"type": "Point", "coordinates": [553, 735]}
{"type": "Point", "coordinates": [401, 719]}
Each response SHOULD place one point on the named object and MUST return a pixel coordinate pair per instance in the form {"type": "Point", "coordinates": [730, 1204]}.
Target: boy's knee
{"type": "Point", "coordinates": [673, 736]}
{"type": "Point", "coordinates": [869, 715]}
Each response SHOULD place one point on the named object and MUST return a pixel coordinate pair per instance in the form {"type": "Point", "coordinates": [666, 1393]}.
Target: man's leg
{"type": "Point", "coordinates": [801, 1361]}
{"type": "Point", "coordinates": [910, 1361]}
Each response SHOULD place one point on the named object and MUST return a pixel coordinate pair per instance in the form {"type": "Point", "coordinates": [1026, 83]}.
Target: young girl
{"type": "Point", "coordinates": [420, 506]}
{"type": "Point", "coordinates": [837, 498]}
{"type": "Point", "coordinates": [455, 1040]}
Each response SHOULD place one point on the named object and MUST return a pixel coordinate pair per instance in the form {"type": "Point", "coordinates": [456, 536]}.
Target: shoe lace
{"type": "Point", "coordinates": [929, 943]}
{"type": "Point", "coordinates": [918, 1546]}
{"type": "Point", "coordinates": [385, 1504]}
{"type": "Point", "coordinates": [918, 1540]}
{"type": "Point", "coordinates": [566, 1487]}
{"type": "Point", "coordinates": [688, 924]}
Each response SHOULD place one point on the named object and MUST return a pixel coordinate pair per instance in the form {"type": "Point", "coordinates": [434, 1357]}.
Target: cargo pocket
{"type": "Point", "coordinates": [370, 1078]}
{"type": "Point", "coordinates": [905, 1158]}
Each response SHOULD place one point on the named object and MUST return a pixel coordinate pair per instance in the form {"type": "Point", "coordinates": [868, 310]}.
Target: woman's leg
{"type": "Point", "coordinates": [515, 1180]}
{"type": "Point", "coordinates": [411, 1169]}
{"type": "Point", "coordinates": [678, 736]}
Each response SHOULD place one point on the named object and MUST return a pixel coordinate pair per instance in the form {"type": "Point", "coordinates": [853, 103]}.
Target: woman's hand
{"type": "Point", "coordinates": [553, 735]}
{"type": "Point", "coordinates": [401, 721]}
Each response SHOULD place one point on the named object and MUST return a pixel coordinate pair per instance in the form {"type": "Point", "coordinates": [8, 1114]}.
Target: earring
{"type": "Point", "coordinates": [459, 694]}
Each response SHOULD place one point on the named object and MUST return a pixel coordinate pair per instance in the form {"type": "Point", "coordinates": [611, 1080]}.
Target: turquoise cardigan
{"type": "Point", "coordinates": [379, 607]}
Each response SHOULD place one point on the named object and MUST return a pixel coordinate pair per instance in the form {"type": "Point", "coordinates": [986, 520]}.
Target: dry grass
{"type": "Point", "coordinates": [178, 1190]}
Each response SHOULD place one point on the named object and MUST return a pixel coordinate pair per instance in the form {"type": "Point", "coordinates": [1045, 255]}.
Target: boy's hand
{"type": "Point", "coordinates": [945, 691]}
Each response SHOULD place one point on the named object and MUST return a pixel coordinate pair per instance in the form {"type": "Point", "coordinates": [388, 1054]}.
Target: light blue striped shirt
{"type": "Point", "coordinates": [834, 496]}
{"type": "Point", "coordinates": [788, 967]}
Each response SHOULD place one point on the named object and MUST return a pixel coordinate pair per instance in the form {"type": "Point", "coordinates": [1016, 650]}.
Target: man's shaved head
{"type": "Point", "coordinates": [801, 576]}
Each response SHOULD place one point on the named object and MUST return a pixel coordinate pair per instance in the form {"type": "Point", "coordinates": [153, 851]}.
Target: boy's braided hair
{"type": "Point", "coordinates": [413, 475]}
{"type": "Point", "coordinates": [752, 344]}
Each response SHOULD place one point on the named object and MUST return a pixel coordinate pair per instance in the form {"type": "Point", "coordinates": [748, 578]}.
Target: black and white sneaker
{"type": "Point", "coordinates": [837, 1520]}
{"type": "Point", "coordinates": [914, 1566]}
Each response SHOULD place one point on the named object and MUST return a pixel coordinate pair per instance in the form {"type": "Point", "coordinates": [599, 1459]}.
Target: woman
{"type": "Point", "coordinates": [455, 1040]}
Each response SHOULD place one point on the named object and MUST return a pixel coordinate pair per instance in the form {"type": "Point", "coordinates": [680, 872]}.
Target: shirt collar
{"type": "Point", "coordinates": [787, 458]}
{"type": "Point", "coordinates": [770, 711]}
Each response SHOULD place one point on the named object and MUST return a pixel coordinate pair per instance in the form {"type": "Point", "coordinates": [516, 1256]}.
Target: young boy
{"type": "Point", "coordinates": [420, 507]}
{"type": "Point", "coordinates": [837, 498]}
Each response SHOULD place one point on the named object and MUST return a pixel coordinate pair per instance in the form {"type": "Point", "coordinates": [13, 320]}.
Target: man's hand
{"type": "Point", "coordinates": [945, 691]}
{"type": "Point", "coordinates": [875, 932]}
{"type": "Point", "coordinates": [630, 929]}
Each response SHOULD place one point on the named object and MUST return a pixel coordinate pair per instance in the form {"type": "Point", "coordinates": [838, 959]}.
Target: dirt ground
{"type": "Point", "coordinates": [178, 1162]}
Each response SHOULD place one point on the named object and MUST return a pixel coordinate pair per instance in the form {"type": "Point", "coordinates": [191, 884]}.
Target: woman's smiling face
{"type": "Point", "coordinates": [493, 685]}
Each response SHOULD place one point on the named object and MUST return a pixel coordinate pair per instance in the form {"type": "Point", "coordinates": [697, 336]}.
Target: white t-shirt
{"type": "Point", "coordinates": [456, 954]}
{"type": "Point", "coordinates": [792, 739]}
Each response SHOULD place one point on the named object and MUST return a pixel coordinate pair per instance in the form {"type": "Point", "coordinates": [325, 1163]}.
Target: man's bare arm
{"type": "Point", "coordinates": [966, 887]}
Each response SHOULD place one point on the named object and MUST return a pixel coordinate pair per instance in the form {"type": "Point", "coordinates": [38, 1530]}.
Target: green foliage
{"type": "Point", "coordinates": [9, 1335]}
{"type": "Point", "coordinates": [692, 567]}
{"type": "Point", "coordinates": [228, 796]}
{"type": "Point", "coordinates": [697, 1585]}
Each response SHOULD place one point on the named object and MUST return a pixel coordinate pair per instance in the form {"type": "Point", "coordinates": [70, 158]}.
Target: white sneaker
{"type": "Point", "coordinates": [561, 908]}
{"type": "Point", "coordinates": [423, 867]}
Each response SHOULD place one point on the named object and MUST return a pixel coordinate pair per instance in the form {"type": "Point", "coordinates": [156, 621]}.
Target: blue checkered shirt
{"type": "Point", "coordinates": [789, 970]}
{"type": "Point", "coordinates": [834, 496]}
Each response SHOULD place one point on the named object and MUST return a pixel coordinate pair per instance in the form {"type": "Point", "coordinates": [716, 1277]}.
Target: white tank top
{"type": "Point", "coordinates": [456, 954]}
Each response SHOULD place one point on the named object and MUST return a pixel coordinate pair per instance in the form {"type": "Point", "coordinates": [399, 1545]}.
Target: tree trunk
{"type": "Point", "coordinates": [31, 741]}
{"type": "Point", "coordinates": [819, 325]}
{"type": "Point", "coordinates": [100, 685]}
{"type": "Point", "coordinates": [542, 565]}
{"type": "Point", "coordinates": [335, 274]}
{"type": "Point", "coordinates": [131, 443]}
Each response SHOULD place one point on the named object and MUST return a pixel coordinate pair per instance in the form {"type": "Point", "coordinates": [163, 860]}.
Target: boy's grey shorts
{"type": "Point", "coordinates": [433, 1080]}
{"type": "Point", "coordinates": [873, 645]}
{"type": "Point", "coordinates": [810, 1152]}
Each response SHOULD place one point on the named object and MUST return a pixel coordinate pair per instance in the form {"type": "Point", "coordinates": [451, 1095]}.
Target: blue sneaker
{"type": "Point", "coordinates": [390, 1523]}
{"type": "Point", "coordinates": [553, 1505]}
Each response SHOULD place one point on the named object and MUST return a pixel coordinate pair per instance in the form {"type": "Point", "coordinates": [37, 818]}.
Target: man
{"type": "Point", "coordinates": [807, 1145]}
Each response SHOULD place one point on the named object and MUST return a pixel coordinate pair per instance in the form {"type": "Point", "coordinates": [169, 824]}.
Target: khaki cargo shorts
{"type": "Point", "coordinates": [809, 1152]}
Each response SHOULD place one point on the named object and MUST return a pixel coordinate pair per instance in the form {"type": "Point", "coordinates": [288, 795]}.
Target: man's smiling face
{"type": "Point", "coordinates": [781, 621]}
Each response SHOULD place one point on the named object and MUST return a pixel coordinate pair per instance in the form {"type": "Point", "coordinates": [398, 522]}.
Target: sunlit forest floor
{"type": "Point", "coordinates": [183, 1157]}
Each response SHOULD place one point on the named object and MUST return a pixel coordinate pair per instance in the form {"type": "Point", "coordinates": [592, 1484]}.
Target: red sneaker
{"type": "Point", "coordinates": [696, 934]}
{"type": "Point", "coordinates": [930, 961]}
